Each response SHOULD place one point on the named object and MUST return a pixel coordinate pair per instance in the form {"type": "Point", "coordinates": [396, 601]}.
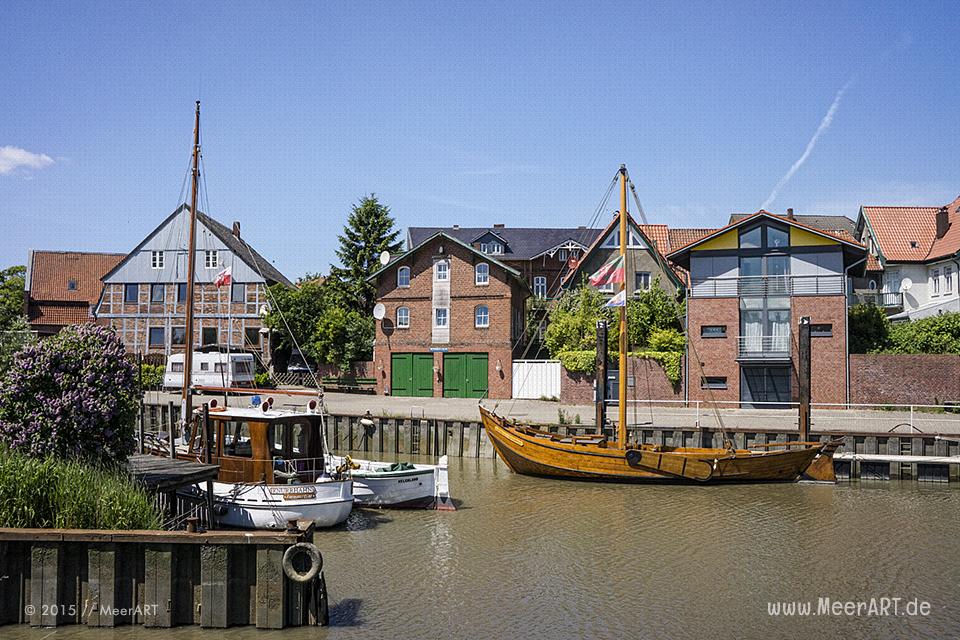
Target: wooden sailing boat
{"type": "Point", "coordinates": [531, 451]}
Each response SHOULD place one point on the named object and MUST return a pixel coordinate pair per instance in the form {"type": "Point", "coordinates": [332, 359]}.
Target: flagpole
{"type": "Point", "coordinates": [622, 386]}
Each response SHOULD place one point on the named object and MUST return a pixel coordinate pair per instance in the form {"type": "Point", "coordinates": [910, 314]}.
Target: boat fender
{"type": "Point", "coordinates": [309, 550]}
{"type": "Point", "coordinates": [633, 457]}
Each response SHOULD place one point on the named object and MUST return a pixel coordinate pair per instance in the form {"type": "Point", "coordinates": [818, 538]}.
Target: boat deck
{"type": "Point", "coordinates": [164, 474]}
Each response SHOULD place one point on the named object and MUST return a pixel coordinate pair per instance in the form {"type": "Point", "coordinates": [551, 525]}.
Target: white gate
{"type": "Point", "coordinates": [535, 379]}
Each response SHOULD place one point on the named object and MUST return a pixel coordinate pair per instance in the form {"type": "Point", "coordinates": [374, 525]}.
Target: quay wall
{"type": "Point", "coordinates": [648, 378]}
{"type": "Point", "coordinates": [162, 579]}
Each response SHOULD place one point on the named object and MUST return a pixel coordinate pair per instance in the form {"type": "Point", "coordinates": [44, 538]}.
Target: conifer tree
{"type": "Point", "coordinates": [368, 233]}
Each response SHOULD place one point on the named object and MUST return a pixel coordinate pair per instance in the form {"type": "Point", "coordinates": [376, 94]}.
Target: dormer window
{"type": "Point", "coordinates": [913, 244]}
{"type": "Point", "coordinates": [764, 237]}
{"type": "Point", "coordinates": [156, 259]}
{"type": "Point", "coordinates": [493, 247]}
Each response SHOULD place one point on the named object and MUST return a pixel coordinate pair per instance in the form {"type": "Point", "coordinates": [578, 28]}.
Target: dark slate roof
{"type": "Point", "coordinates": [243, 250]}
{"type": "Point", "coordinates": [523, 243]}
{"type": "Point", "coordinates": [824, 223]}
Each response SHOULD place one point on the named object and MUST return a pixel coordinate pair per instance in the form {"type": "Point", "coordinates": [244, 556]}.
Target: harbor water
{"type": "Point", "coordinates": [533, 558]}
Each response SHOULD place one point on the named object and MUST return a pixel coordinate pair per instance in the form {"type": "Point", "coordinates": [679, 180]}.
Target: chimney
{"type": "Point", "coordinates": [456, 226]}
{"type": "Point", "coordinates": [790, 214]}
{"type": "Point", "coordinates": [236, 229]}
{"type": "Point", "coordinates": [498, 226]}
{"type": "Point", "coordinates": [943, 221]}
{"type": "Point", "coordinates": [581, 227]}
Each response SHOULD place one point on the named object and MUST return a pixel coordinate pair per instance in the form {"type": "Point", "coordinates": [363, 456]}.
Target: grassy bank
{"type": "Point", "coordinates": [53, 493]}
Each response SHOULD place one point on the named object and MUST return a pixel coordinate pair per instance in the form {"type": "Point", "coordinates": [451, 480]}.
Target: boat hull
{"type": "Point", "coordinates": [530, 453]}
{"type": "Point", "coordinates": [263, 506]}
{"type": "Point", "coordinates": [422, 487]}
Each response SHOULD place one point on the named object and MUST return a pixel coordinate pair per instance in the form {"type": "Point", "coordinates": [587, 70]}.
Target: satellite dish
{"type": "Point", "coordinates": [264, 310]}
{"type": "Point", "coordinates": [379, 311]}
{"type": "Point", "coordinates": [905, 284]}
{"type": "Point", "coordinates": [385, 258]}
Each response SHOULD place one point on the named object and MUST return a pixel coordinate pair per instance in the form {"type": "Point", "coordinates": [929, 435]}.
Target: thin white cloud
{"type": "Point", "coordinates": [824, 125]}
{"type": "Point", "coordinates": [13, 158]}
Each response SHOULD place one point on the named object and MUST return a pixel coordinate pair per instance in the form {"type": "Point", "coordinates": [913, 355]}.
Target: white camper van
{"type": "Point", "coordinates": [212, 369]}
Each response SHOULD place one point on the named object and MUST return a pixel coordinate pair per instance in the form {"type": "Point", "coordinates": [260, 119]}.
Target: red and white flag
{"type": "Point", "coordinates": [610, 272]}
{"type": "Point", "coordinates": [224, 278]}
{"type": "Point", "coordinates": [619, 300]}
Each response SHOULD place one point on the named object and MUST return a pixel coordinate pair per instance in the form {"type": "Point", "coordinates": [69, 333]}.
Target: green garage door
{"type": "Point", "coordinates": [464, 375]}
{"type": "Point", "coordinates": [411, 374]}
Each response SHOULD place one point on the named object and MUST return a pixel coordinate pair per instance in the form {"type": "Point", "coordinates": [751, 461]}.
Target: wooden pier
{"type": "Point", "coordinates": [55, 577]}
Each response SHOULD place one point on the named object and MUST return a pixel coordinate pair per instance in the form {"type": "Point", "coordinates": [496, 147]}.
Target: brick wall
{"type": "Point", "coordinates": [650, 383]}
{"type": "Point", "coordinates": [717, 356]}
{"type": "Point", "coordinates": [503, 296]}
{"type": "Point", "coordinates": [828, 362]}
{"type": "Point", "coordinates": [904, 379]}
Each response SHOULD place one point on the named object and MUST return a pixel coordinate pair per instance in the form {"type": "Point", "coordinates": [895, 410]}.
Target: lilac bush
{"type": "Point", "coordinates": [73, 396]}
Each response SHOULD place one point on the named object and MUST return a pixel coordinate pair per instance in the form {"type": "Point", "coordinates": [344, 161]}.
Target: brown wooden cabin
{"type": "Point", "coordinates": [253, 446]}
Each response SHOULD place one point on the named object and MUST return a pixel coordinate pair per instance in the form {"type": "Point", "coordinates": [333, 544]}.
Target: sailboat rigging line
{"type": "Point", "coordinates": [283, 318]}
{"type": "Point", "coordinates": [525, 334]}
{"type": "Point", "coordinates": [640, 212]}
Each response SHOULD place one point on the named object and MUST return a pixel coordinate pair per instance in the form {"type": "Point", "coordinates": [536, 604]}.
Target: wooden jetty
{"type": "Point", "coordinates": [165, 476]}
{"type": "Point", "coordinates": [55, 577]}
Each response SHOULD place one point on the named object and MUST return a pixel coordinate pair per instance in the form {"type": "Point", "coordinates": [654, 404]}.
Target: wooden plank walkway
{"type": "Point", "coordinates": [883, 457]}
{"type": "Point", "coordinates": [163, 474]}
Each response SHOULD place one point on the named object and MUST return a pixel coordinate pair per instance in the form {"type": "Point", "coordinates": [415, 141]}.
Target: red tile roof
{"type": "Point", "coordinates": [949, 244]}
{"type": "Point", "coordinates": [659, 234]}
{"type": "Point", "coordinates": [52, 271]}
{"type": "Point", "coordinates": [904, 234]}
{"type": "Point", "coordinates": [52, 301]}
{"type": "Point", "coordinates": [682, 237]}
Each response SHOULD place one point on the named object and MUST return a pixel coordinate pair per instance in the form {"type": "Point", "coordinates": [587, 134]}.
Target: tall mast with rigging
{"type": "Point", "coordinates": [622, 385]}
{"type": "Point", "coordinates": [186, 406]}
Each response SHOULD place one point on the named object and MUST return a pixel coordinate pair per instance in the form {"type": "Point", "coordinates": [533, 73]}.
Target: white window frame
{"type": "Point", "coordinates": [445, 275]}
{"type": "Point", "coordinates": [540, 286]}
{"type": "Point", "coordinates": [647, 284]}
{"type": "Point", "coordinates": [403, 324]}
{"type": "Point", "coordinates": [496, 248]}
{"type": "Point", "coordinates": [436, 317]}
{"type": "Point", "coordinates": [156, 259]}
{"type": "Point", "coordinates": [403, 270]}
{"type": "Point", "coordinates": [476, 316]}
{"type": "Point", "coordinates": [934, 283]}
{"type": "Point", "coordinates": [606, 288]}
{"type": "Point", "coordinates": [211, 258]}
{"type": "Point", "coordinates": [481, 277]}
{"type": "Point", "coordinates": [947, 281]}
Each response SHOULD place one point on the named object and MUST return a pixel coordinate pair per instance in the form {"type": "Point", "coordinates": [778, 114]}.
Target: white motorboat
{"type": "Point", "coordinates": [273, 468]}
{"type": "Point", "coordinates": [386, 484]}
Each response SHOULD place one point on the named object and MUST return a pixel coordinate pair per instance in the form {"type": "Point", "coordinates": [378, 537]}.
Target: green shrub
{"type": "Point", "coordinates": [578, 361]}
{"type": "Point", "coordinates": [869, 328]}
{"type": "Point", "coordinates": [53, 493]}
{"type": "Point", "coordinates": [667, 340]}
{"type": "Point", "coordinates": [150, 376]}
{"type": "Point", "coordinates": [263, 380]}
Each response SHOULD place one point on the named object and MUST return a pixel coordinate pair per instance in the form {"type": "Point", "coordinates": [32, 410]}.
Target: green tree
{"type": "Point", "coordinates": [869, 328]}
{"type": "Point", "coordinates": [342, 336]}
{"type": "Point", "coordinates": [299, 307]}
{"type": "Point", "coordinates": [11, 294]}
{"type": "Point", "coordinates": [370, 230]}
{"type": "Point", "coordinates": [653, 310]}
{"type": "Point", "coordinates": [573, 321]}
{"type": "Point", "coordinates": [936, 334]}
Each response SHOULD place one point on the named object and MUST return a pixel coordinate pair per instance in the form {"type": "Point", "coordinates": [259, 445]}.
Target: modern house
{"type": "Point", "coordinates": [750, 283]}
{"type": "Point", "coordinates": [914, 259]}
{"type": "Point", "coordinates": [143, 296]}
{"type": "Point", "coordinates": [453, 318]}
{"type": "Point", "coordinates": [61, 287]}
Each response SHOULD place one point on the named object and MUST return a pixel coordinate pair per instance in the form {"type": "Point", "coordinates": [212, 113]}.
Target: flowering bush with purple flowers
{"type": "Point", "coordinates": [73, 396]}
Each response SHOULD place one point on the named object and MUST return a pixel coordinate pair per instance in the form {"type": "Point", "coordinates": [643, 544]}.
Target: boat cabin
{"type": "Point", "coordinates": [253, 445]}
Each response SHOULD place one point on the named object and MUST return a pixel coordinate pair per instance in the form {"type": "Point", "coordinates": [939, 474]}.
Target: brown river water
{"type": "Point", "coordinates": [533, 558]}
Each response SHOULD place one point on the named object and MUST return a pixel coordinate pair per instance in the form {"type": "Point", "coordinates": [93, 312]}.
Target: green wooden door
{"type": "Point", "coordinates": [411, 374]}
{"type": "Point", "coordinates": [464, 375]}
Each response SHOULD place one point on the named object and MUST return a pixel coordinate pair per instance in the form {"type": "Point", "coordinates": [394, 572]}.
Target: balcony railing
{"type": "Point", "coordinates": [763, 347]}
{"type": "Point", "coordinates": [892, 300]}
{"type": "Point", "coordinates": [827, 285]}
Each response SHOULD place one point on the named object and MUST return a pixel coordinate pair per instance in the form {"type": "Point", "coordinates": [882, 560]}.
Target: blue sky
{"type": "Point", "coordinates": [463, 113]}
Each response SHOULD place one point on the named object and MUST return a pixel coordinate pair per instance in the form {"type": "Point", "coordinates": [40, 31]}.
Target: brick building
{"type": "Point", "coordinates": [61, 287]}
{"type": "Point", "coordinates": [144, 296]}
{"type": "Point", "coordinates": [750, 283]}
{"type": "Point", "coordinates": [453, 318]}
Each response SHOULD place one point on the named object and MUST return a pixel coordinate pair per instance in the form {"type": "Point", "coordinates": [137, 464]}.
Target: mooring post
{"type": "Point", "coordinates": [601, 380]}
{"type": "Point", "coordinates": [803, 375]}
{"type": "Point", "coordinates": [171, 428]}
{"type": "Point", "coordinates": [208, 457]}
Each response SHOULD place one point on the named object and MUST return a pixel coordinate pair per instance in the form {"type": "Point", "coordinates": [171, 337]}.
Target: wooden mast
{"type": "Point", "coordinates": [186, 405]}
{"type": "Point", "coordinates": [622, 385]}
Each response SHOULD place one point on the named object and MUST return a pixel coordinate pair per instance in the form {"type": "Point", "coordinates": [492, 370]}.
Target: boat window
{"type": "Point", "coordinates": [277, 437]}
{"type": "Point", "coordinates": [297, 439]}
{"type": "Point", "coordinates": [236, 440]}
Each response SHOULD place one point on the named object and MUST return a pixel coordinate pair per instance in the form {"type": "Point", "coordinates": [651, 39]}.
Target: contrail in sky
{"type": "Point", "coordinates": [824, 125]}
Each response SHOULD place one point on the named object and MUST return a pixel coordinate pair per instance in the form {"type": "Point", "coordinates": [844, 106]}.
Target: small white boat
{"type": "Point", "coordinates": [274, 467]}
{"type": "Point", "coordinates": [386, 484]}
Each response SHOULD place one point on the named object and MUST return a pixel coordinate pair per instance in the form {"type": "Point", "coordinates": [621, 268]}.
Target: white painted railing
{"type": "Point", "coordinates": [763, 347]}
{"type": "Point", "coordinates": [785, 285]}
